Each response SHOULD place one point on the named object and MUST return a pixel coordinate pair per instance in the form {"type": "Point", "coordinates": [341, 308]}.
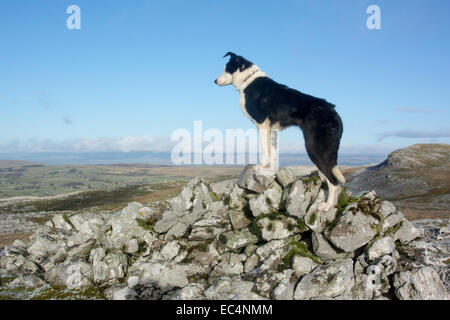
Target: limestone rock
{"type": "Point", "coordinates": [316, 220]}
{"type": "Point", "coordinates": [267, 282]}
{"type": "Point", "coordinates": [192, 291]}
{"type": "Point", "coordinates": [27, 281]}
{"type": "Point", "coordinates": [239, 220]}
{"type": "Point", "coordinates": [205, 233]}
{"type": "Point", "coordinates": [61, 221]}
{"type": "Point", "coordinates": [266, 202]}
{"type": "Point", "coordinates": [108, 267]}
{"type": "Point", "coordinates": [170, 250]}
{"type": "Point", "coordinates": [330, 280]}
{"type": "Point", "coordinates": [285, 289]}
{"type": "Point", "coordinates": [129, 228]}
{"type": "Point", "coordinates": [178, 229]}
{"type": "Point", "coordinates": [165, 275]}
{"type": "Point", "coordinates": [251, 263]}
{"type": "Point", "coordinates": [231, 288]}
{"type": "Point", "coordinates": [268, 248]}
{"type": "Point", "coordinates": [406, 233]}
{"type": "Point", "coordinates": [229, 264]}
{"type": "Point", "coordinates": [303, 265]}
{"type": "Point", "coordinates": [323, 249]}
{"type": "Point", "coordinates": [273, 259]}
{"type": "Point", "coordinates": [301, 196]}
{"type": "Point", "coordinates": [193, 202]}
{"type": "Point", "coordinates": [285, 176]}
{"type": "Point", "coordinates": [373, 280]}
{"type": "Point", "coordinates": [222, 188]}
{"type": "Point", "coordinates": [392, 221]}
{"type": "Point", "coordinates": [255, 180]}
{"type": "Point", "coordinates": [380, 247]}
{"type": "Point", "coordinates": [72, 274]}
{"type": "Point", "coordinates": [419, 284]}
{"type": "Point", "coordinates": [352, 231]}
{"type": "Point", "coordinates": [204, 257]}
{"type": "Point", "coordinates": [120, 293]}
{"type": "Point", "coordinates": [217, 210]}
{"type": "Point", "coordinates": [47, 251]}
{"type": "Point", "coordinates": [280, 228]}
{"type": "Point", "coordinates": [237, 198]}
{"type": "Point", "coordinates": [19, 244]}
{"type": "Point", "coordinates": [81, 250]}
{"type": "Point", "coordinates": [386, 209]}
{"type": "Point", "coordinates": [240, 238]}
{"type": "Point", "coordinates": [88, 223]}
{"type": "Point", "coordinates": [13, 260]}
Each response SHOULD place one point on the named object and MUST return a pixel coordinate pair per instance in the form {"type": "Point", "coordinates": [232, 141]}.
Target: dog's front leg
{"type": "Point", "coordinates": [273, 154]}
{"type": "Point", "coordinates": [264, 138]}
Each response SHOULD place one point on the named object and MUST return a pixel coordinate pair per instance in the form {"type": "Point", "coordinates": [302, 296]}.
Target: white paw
{"type": "Point", "coordinates": [258, 167]}
{"type": "Point", "coordinates": [267, 171]}
{"type": "Point", "coordinates": [324, 207]}
{"type": "Point", "coordinates": [264, 168]}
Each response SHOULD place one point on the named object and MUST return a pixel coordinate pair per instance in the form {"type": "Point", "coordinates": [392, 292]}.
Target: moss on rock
{"type": "Point", "coordinates": [297, 249]}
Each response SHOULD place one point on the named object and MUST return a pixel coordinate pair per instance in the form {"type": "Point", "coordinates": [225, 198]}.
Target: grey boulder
{"type": "Point", "coordinates": [330, 280]}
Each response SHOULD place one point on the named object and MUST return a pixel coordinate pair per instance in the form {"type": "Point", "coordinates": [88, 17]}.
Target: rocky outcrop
{"type": "Point", "coordinates": [261, 237]}
{"type": "Point", "coordinates": [415, 178]}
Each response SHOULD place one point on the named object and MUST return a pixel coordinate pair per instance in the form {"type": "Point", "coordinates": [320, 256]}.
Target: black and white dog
{"type": "Point", "coordinates": [273, 107]}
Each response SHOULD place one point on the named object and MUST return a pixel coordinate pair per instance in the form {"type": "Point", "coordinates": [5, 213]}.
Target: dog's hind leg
{"type": "Point", "coordinates": [323, 152]}
{"type": "Point", "coordinates": [325, 206]}
{"type": "Point", "coordinates": [332, 188]}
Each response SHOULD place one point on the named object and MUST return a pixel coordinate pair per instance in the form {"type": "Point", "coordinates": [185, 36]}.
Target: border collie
{"type": "Point", "coordinates": [273, 107]}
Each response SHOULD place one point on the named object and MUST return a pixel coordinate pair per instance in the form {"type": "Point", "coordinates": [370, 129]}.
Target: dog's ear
{"type": "Point", "coordinates": [244, 63]}
{"type": "Point", "coordinates": [230, 54]}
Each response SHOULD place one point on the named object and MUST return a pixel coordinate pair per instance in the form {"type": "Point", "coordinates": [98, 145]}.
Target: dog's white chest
{"type": "Point", "coordinates": [242, 104]}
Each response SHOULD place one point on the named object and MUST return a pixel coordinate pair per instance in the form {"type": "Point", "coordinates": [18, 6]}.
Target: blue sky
{"type": "Point", "coordinates": [137, 70]}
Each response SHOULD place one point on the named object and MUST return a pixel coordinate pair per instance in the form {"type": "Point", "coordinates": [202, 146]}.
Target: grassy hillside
{"type": "Point", "coordinates": [26, 179]}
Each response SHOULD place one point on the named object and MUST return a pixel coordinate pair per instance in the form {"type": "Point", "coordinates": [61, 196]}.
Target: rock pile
{"type": "Point", "coordinates": [260, 237]}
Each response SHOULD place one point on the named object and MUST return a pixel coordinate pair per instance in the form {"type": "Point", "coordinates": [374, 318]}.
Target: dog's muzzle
{"type": "Point", "coordinates": [224, 79]}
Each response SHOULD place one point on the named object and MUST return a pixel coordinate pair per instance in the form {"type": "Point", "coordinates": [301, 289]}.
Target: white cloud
{"type": "Point", "coordinates": [421, 134]}
{"type": "Point", "coordinates": [368, 149]}
{"type": "Point", "coordinates": [344, 149]}
{"type": "Point", "coordinates": [164, 144]}
{"type": "Point", "coordinates": [103, 144]}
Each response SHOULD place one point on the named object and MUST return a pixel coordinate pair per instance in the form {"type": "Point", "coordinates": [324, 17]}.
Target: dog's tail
{"type": "Point", "coordinates": [338, 174]}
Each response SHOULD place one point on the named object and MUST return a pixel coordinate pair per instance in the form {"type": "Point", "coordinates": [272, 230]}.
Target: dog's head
{"type": "Point", "coordinates": [236, 70]}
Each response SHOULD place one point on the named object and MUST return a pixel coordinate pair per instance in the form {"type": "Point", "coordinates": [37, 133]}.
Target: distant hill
{"type": "Point", "coordinates": [416, 178]}
{"type": "Point", "coordinates": [16, 163]}
{"type": "Point", "coordinates": [164, 158]}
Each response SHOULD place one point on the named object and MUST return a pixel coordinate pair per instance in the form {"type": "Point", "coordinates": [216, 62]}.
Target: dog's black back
{"type": "Point", "coordinates": [265, 98]}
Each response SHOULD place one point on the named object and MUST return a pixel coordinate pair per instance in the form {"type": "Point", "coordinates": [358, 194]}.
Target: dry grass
{"type": "Point", "coordinates": [413, 214]}
{"type": "Point", "coordinates": [8, 239]}
{"type": "Point", "coordinates": [350, 172]}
